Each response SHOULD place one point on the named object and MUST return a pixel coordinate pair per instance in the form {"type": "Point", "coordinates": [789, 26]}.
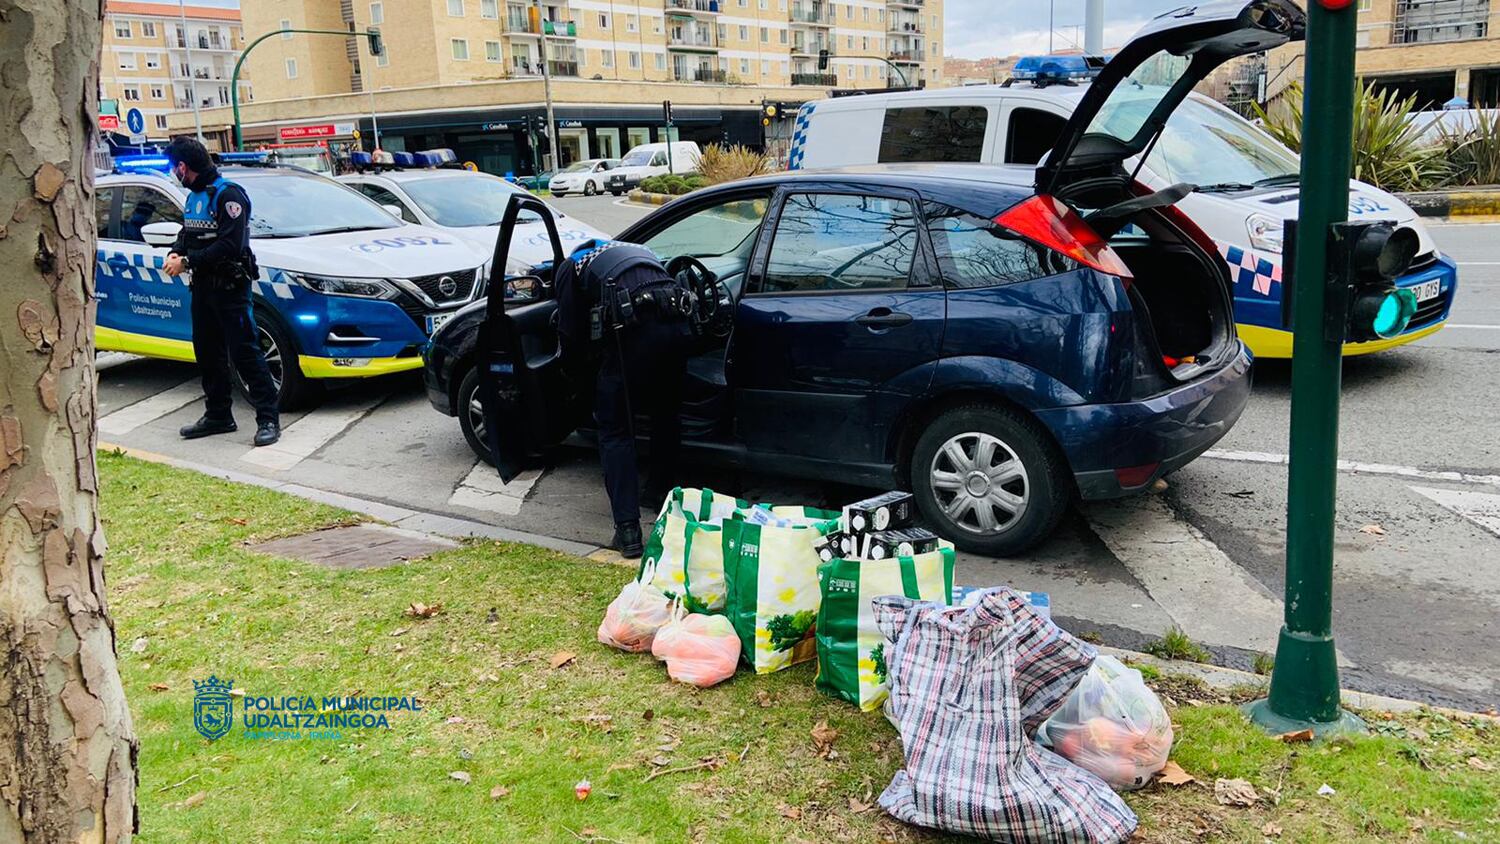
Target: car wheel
{"type": "Point", "coordinates": [471, 415]}
{"type": "Point", "coordinates": [293, 389]}
{"type": "Point", "coordinates": [990, 479]}
{"type": "Point", "coordinates": [615, 192]}
{"type": "Point", "coordinates": [589, 188]}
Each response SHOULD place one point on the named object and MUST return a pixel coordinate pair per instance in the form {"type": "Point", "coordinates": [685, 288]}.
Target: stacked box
{"type": "Point", "coordinates": [907, 542]}
{"type": "Point", "coordinates": [888, 511]}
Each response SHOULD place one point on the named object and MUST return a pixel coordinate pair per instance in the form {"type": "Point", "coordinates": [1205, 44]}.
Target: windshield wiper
{"type": "Point", "coordinates": [1224, 187]}
{"type": "Point", "coordinates": [343, 229]}
{"type": "Point", "coordinates": [1283, 179]}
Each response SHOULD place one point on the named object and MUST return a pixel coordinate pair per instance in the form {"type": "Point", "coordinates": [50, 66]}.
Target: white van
{"type": "Point", "coordinates": [1247, 181]}
{"type": "Point", "coordinates": [652, 160]}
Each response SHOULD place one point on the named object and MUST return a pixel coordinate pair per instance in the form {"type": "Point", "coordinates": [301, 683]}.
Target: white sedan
{"type": "Point", "coordinates": [585, 177]}
{"type": "Point", "coordinates": [470, 205]}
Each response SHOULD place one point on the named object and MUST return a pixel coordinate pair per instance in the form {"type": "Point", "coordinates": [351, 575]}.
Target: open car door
{"type": "Point", "coordinates": [523, 388]}
{"type": "Point", "coordinates": [1127, 105]}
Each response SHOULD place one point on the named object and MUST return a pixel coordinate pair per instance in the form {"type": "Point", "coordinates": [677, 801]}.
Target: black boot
{"type": "Point", "coordinates": [207, 427]}
{"type": "Point", "coordinates": [267, 433]}
{"type": "Point", "coordinates": [628, 540]}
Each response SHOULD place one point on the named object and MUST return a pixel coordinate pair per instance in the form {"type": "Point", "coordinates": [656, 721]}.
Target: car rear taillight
{"type": "Point", "coordinates": [1050, 222]}
{"type": "Point", "coordinates": [1135, 476]}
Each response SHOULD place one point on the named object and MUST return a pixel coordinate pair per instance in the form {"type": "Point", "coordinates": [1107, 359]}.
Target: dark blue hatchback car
{"type": "Point", "coordinates": [957, 330]}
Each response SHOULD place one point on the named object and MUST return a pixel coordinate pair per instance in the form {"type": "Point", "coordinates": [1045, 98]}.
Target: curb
{"type": "Point", "coordinates": [450, 527]}
{"type": "Point", "coordinates": [650, 198]}
{"type": "Point", "coordinates": [1462, 203]}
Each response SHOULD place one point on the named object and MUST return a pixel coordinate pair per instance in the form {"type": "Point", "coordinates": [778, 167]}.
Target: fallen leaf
{"type": "Point", "coordinates": [858, 806]}
{"type": "Point", "coordinates": [1235, 792]}
{"type": "Point", "coordinates": [421, 610]}
{"type": "Point", "coordinates": [562, 658]}
{"type": "Point", "coordinates": [1326, 790]}
{"type": "Point", "coordinates": [499, 792]}
{"type": "Point", "coordinates": [399, 631]}
{"type": "Point", "coordinates": [159, 687]}
{"type": "Point", "coordinates": [1373, 530]}
{"type": "Point", "coordinates": [195, 799]}
{"type": "Point", "coordinates": [1272, 829]}
{"type": "Point", "coordinates": [455, 719]}
{"type": "Point", "coordinates": [1479, 764]}
{"type": "Point", "coordinates": [661, 761]}
{"type": "Point", "coordinates": [823, 737]}
{"type": "Point", "coordinates": [648, 714]}
{"type": "Point", "coordinates": [791, 813]}
{"type": "Point", "coordinates": [139, 645]}
{"type": "Point", "coordinates": [461, 776]}
{"type": "Point", "coordinates": [238, 521]}
{"type": "Point", "coordinates": [1296, 735]}
{"type": "Point", "coordinates": [763, 697]}
{"type": "Point", "coordinates": [1173, 774]}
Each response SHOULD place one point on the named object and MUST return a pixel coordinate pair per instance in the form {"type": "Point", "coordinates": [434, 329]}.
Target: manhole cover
{"type": "Point", "coordinates": [356, 547]}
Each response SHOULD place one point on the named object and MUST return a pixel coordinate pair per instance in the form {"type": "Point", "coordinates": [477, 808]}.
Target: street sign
{"type": "Point", "coordinates": [316, 130]}
{"type": "Point", "coordinates": [109, 122]}
{"type": "Point", "coordinates": [135, 121]}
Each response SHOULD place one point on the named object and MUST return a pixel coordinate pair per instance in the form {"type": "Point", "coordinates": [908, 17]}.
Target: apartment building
{"type": "Point", "coordinates": [160, 57]}
{"type": "Point", "coordinates": [716, 59]}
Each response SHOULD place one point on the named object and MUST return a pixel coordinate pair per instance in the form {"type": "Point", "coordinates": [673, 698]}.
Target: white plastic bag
{"type": "Point", "coordinates": [633, 618]}
{"type": "Point", "coordinates": [698, 649]}
{"type": "Point", "coordinates": [1112, 725]}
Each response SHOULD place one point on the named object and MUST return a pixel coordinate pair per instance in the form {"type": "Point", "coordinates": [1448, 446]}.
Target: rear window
{"type": "Point", "coordinates": [974, 252]}
{"type": "Point", "coordinates": [1031, 134]}
{"type": "Point", "coordinates": [933, 133]}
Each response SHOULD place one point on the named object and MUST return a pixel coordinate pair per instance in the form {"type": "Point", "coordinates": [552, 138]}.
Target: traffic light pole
{"type": "Point", "coordinates": [1305, 681]}
{"type": "Point", "coordinates": [234, 80]}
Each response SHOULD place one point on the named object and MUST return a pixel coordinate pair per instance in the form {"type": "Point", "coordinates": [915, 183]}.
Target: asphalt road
{"type": "Point", "coordinates": [1417, 580]}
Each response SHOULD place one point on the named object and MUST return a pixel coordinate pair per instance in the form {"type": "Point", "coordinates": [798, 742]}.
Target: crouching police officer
{"type": "Point", "coordinates": [617, 300]}
{"type": "Point", "coordinates": [215, 247]}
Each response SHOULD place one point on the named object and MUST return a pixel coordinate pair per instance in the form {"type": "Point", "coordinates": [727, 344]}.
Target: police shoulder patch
{"type": "Point", "coordinates": [234, 209]}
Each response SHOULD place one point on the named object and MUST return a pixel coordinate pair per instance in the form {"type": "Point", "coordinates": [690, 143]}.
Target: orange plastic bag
{"type": "Point", "coordinates": [634, 617]}
{"type": "Point", "coordinates": [698, 649]}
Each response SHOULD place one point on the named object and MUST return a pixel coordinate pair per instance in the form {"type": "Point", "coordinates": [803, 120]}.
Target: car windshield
{"type": "Point", "coordinates": [1206, 145]}
{"type": "Point", "coordinates": [465, 201]}
{"type": "Point", "coordinates": [638, 157]}
{"type": "Point", "coordinates": [578, 167]}
{"type": "Point", "coordinates": [286, 205]}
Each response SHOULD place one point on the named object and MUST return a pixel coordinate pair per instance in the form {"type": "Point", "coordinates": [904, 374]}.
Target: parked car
{"type": "Point", "coordinates": [1247, 181]}
{"type": "Point", "coordinates": [648, 160]}
{"type": "Point", "coordinates": [585, 177]}
{"type": "Point", "coordinates": [345, 290]}
{"type": "Point", "coordinates": [468, 205]}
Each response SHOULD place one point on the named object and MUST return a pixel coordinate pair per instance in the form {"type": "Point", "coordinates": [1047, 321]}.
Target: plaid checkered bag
{"type": "Point", "coordinates": [968, 687]}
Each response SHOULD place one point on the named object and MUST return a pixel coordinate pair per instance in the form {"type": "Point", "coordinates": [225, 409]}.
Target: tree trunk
{"type": "Point", "coordinates": [67, 749]}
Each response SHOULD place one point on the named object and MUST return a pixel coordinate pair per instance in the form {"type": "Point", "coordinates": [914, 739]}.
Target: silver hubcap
{"type": "Point", "coordinates": [980, 483]}
{"type": "Point", "coordinates": [273, 354]}
{"type": "Point", "coordinates": [476, 415]}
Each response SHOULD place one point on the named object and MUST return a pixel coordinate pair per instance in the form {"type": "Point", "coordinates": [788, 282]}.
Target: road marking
{"type": "Point", "coordinates": [133, 416]}
{"type": "Point", "coordinates": [1358, 468]}
{"type": "Point", "coordinates": [1213, 600]}
{"type": "Point", "coordinates": [301, 438]}
{"type": "Point", "coordinates": [1480, 508]}
{"type": "Point", "coordinates": [482, 489]}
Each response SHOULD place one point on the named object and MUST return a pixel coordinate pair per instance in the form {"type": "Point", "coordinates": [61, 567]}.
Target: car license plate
{"type": "Point", "coordinates": [1426, 290]}
{"type": "Point", "coordinates": [434, 321]}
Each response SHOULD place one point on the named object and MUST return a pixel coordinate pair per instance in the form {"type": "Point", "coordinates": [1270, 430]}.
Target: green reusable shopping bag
{"type": "Point", "coordinates": [686, 549]}
{"type": "Point", "coordinates": [771, 575]}
{"type": "Point", "coordinates": [851, 662]}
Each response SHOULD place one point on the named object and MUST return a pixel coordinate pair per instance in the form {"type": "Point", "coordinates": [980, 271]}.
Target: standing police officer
{"type": "Point", "coordinates": [215, 247]}
{"type": "Point", "coordinates": [618, 297]}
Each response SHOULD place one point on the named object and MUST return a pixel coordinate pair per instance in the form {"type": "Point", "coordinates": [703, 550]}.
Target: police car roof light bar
{"type": "Point", "coordinates": [140, 164]}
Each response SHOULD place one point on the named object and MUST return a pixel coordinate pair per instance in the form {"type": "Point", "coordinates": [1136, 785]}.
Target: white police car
{"type": "Point", "coordinates": [1248, 182]}
{"type": "Point", "coordinates": [422, 189]}
{"type": "Point", "coordinates": [345, 290]}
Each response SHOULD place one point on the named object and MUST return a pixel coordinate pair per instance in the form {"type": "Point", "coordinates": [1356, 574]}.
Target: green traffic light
{"type": "Point", "coordinates": [1395, 312]}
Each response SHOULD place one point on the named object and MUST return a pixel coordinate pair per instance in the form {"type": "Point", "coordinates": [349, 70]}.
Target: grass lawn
{"type": "Point", "coordinates": [503, 735]}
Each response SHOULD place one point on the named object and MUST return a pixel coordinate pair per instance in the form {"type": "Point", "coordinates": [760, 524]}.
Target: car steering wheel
{"type": "Point", "coordinates": [704, 284]}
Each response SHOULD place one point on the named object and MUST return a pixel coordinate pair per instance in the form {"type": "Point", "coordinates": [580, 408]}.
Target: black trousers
{"type": "Point", "coordinates": [224, 334]}
{"type": "Point", "coordinates": [651, 362]}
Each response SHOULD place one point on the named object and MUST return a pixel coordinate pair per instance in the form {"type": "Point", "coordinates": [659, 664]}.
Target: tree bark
{"type": "Point", "coordinates": [67, 748]}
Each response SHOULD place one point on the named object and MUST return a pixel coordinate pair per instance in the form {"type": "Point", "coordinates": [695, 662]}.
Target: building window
{"type": "Point", "coordinates": [606, 58]}
{"type": "Point", "coordinates": [634, 60]}
{"type": "Point", "coordinates": [866, 11]}
{"type": "Point", "coordinates": [762, 5]}
{"type": "Point", "coordinates": [1364, 5]}
{"type": "Point", "coordinates": [849, 12]}
{"type": "Point", "coordinates": [384, 59]}
{"type": "Point", "coordinates": [286, 29]}
{"type": "Point", "coordinates": [161, 121]}
{"type": "Point", "coordinates": [455, 8]}
{"type": "Point", "coordinates": [127, 61]}
{"type": "Point", "coordinates": [661, 61]}
{"type": "Point", "coordinates": [158, 92]}
{"type": "Point", "coordinates": [148, 29]}
{"type": "Point", "coordinates": [765, 35]}
{"type": "Point", "coordinates": [460, 49]}
{"type": "Point", "coordinates": [744, 67]}
{"type": "Point", "coordinates": [603, 20]}
{"type": "Point", "coordinates": [744, 33]}
{"type": "Point", "coordinates": [377, 13]}
{"type": "Point", "coordinates": [849, 41]}
{"type": "Point", "coordinates": [783, 35]}
{"type": "Point", "coordinates": [656, 26]}
{"type": "Point", "coordinates": [864, 43]}
{"type": "Point", "coordinates": [122, 29]}
{"type": "Point", "coordinates": [630, 23]}
{"type": "Point", "coordinates": [153, 61]}
{"type": "Point", "coordinates": [131, 93]}
{"type": "Point", "coordinates": [489, 9]}
{"type": "Point", "coordinates": [1362, 38]}
{"type": "Point", "coordinates": [765, 68]}
{"type": "Point", "coordinates": [492, 51]}
{"type": "Point", "coordinates": [291, 68]}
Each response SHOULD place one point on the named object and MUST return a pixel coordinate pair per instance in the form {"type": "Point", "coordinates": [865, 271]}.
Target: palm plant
{"type": "Point", "coordinates": [1472, 155]}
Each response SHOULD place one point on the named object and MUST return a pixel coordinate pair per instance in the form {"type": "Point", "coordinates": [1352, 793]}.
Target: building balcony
{"type": "Point", "coordinates": [562, 68]}
{"type": "Point", "coordinates": [811, 48]}
{"type": "Point", "coordinates": [701, 74]}
{"type": "Point", "coordinates": [907, 56]}
{"type": "Point", "coordinates": [708, 7]}
{"type": "Point", "coordinates": [905, 28]}
{"type": "Point", "coordinates": [696, 43]}
{"type": "Point", "coordinates": [822, 80]}
{"type": "Point", "coordinates": [819, 14]}
{"type": "Point", "coordinates": [905, 4]}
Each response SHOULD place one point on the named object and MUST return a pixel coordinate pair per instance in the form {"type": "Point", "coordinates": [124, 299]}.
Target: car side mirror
{"type": "Point", "coordinates": [162, 234]}
{"type": "Point", "coordinates": [523, 287]}
{"type": "Point", "coordinates": [394, 210]}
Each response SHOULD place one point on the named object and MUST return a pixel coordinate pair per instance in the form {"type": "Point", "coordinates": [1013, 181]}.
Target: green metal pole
{"type": "Point", "coordinates": [234, 79]}
{"type": "Point", "coordinates": [1305, 682]}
